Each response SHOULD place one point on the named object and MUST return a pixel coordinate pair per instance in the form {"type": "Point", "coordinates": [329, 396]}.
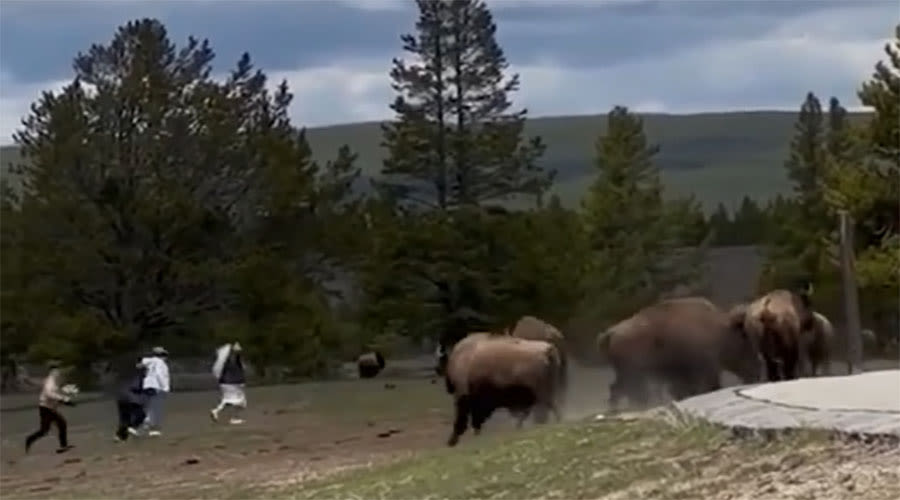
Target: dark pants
{"type": "Point", "coordinates": [48, 417]}
{"type": "Point", "coordinates": [130, 415]}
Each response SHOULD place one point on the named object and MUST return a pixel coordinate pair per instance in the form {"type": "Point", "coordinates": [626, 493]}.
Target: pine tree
{"type": "Point", "coordinates": [749, 223]}
{"type": "Point", "coordinates": [632, 231]}
{"type": "Point", "coordinates": [151, 190]}
{"type": "Point", "coordinates": [798, 252]}
{"type": "Point", "coordinates": [806, 161]}
{"type": "Point", "coordinates": [455, 149]}
{"type": "Point", "coordinates": [720, 224]}
{"type": "Point", "coordinates": [865, 183]}
{"type": "Point", "coordinates": [455, 141]}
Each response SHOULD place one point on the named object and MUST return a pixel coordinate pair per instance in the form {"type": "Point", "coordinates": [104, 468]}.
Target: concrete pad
{"type": "Point", "coordinates": [867, 403]}
{"type": "Point", "coordinates": [870, 391]}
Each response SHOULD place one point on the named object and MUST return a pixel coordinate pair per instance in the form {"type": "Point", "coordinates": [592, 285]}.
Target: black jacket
{"type": "Point", "coordinates": [233, 370]}
{"type": "Point", "coordinates": [131, 388]}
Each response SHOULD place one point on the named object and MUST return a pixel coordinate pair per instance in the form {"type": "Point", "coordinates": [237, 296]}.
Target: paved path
{"type": "Point", "coordinates": [867, 403]}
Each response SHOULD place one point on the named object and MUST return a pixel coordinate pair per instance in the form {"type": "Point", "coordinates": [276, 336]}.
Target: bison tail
{"type": "Point", "coordinates": [448, 384]}
{"type": "Point", "coordinates": [563, 382]}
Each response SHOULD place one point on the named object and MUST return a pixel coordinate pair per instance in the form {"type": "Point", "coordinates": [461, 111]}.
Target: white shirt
{"type": "Point", "coordinates": [157, 376]}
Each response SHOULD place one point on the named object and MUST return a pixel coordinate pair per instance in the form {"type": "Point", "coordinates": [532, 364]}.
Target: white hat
{"type": "Point", "coordinates": [160, 351]}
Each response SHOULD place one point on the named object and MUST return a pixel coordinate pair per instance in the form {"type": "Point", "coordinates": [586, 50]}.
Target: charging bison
{"type": "Point", "coordinates": [370, 364]}
{"type": "Point", "coordinates": [532, 328]}
{"type": "Point", "coordinates": [684, 342]}
{"type": "Point", "coordinates": [485, 372]}
{"type": "Point", "coordinates": [777, 321]}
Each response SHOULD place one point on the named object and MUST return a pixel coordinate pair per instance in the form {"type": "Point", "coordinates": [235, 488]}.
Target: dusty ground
{"type": "Point", "coordinates": [293, 434]}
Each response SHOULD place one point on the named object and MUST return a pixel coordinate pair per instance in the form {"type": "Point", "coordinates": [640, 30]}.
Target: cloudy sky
{"type": "Point", "coordinates": [574, 56]}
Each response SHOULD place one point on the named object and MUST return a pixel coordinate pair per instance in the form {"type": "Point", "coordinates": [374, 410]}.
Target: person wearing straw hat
{"type": "Point", "coordinates": [156, 386]}
{"type": "Point", "coordinates": [48, 403]}
{"type": "Point", "coordinates": [229, 371]}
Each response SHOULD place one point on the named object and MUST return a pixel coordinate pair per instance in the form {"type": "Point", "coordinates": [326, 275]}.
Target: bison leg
{"type": "Point", "coordinates": [638, 391]}
{"type": "Point", "coordinates": [616, 391]}
{"type": "Point", "coordinates": [463, 408]}
{"type": "Point", "coordinates": [520, 416]}
{"type": "Point", "coordinates": [791, 362]}
{"type": "Point", "coordinates": [540, 414]}
{"type": "Point", "coordinates": [630, 384]}
{"type": "Point", "coordinates": [481, 411]}
{"type": "Point", "coordinates": [555, 409]}
{"type": "Point", "coordinates": [773, 372]}
{"type": "Point", "coordinates": [683, 387]}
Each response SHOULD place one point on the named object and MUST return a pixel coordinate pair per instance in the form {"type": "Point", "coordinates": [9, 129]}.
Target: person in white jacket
{"type": "Point", "coordinates": [156, 386]}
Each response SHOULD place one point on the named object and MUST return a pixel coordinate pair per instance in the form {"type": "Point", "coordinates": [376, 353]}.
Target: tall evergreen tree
{"type": "Point", "coordinates": [455, 140]}
{"type": "Point", "coordinates": [806, 161]}
{"type": "Point", "coordinates": [866, 183]}
{"type": "Point", "coordinates": [720, 225]}
{"type": "Point", "coordinates": [632, 231]}
{"type": "Point", "coordinates": [798, 251]}
{"type": "Point", "coordinates": [150, 191]}
{"type": "Point", "coordinates": [455, 148]}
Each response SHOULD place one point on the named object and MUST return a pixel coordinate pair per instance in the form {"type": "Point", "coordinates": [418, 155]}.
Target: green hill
{"type": "Point", "coordinates": [719, 157]}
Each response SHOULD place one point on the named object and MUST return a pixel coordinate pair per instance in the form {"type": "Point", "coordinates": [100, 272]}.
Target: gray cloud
{"type": "Point", "coordinates": [654, 57]}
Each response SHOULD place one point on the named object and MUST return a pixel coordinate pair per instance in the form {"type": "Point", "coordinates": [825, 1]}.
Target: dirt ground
{"type": "Point", "coordinates": [292, 433]}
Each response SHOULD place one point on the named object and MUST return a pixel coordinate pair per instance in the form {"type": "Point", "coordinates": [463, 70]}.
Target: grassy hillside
{"type": "Point", "coordinates": [719, 157]}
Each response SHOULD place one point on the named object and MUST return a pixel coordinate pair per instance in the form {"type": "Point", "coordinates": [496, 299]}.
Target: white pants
{"type": "Point", "coordinates": [233, 394]}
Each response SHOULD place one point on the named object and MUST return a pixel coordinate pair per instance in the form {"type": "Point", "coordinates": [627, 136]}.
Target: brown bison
{"type": "Point", "coordinates": [531, 328]}
{"type": "Point", "coordinates": [485, 372]}
{"type": "Point", "coordinates": [370, 364]}
{"type": "Point", "coordinates": [777, 321]}
{"type": "Point", "coordinates": [816, 343]}
{"type": "Point", "coordinates": [684, 342]}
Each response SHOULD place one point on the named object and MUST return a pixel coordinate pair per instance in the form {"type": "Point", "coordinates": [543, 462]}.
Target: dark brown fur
{"type": "Point", "coordinates": [486, 372]}
{"type": "Point", "coordinates": [370, 364]}
{"type": "Point", "coordinates": [532, 328]}
{"type": "Point", "coordinates": [685, 342]}
{"type": "Point", "coordinates": [776, 320]}
{"type": "Point", "coordinates": [816, 346]}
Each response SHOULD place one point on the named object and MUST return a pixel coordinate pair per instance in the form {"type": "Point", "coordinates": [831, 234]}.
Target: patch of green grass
{"type": "Point", "coordinates": [643, 458]}
{"type": "Point", "coordinates": [557, 461]}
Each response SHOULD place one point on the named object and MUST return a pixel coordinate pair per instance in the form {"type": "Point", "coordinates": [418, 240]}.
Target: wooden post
{"type": "Point", "coordinates": [852, 327]}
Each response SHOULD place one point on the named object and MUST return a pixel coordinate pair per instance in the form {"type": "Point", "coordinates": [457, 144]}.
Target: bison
{"type": "Point", "coordinates": [685, 342]}
{"type": "Point", "coordinates": [370, 364]}
{"type": "Point", "coordinates": [531, 328]}
{"type": "Point", "coordinates": [816, 343]}
{"type": "Point", "coordinates": [777, 321]}
{"type": "Point", "coordinates": [485, 372]}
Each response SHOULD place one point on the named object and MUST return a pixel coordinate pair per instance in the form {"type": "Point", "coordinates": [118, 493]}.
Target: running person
{"type": "Point", "coordinates": [156, 386]}
{"type": "Point", "coordinates": [229, 370]}
{"type": "Point", "coordinates": [130, 402]}
{"type": "Point", "coordinates": [48, 403]}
